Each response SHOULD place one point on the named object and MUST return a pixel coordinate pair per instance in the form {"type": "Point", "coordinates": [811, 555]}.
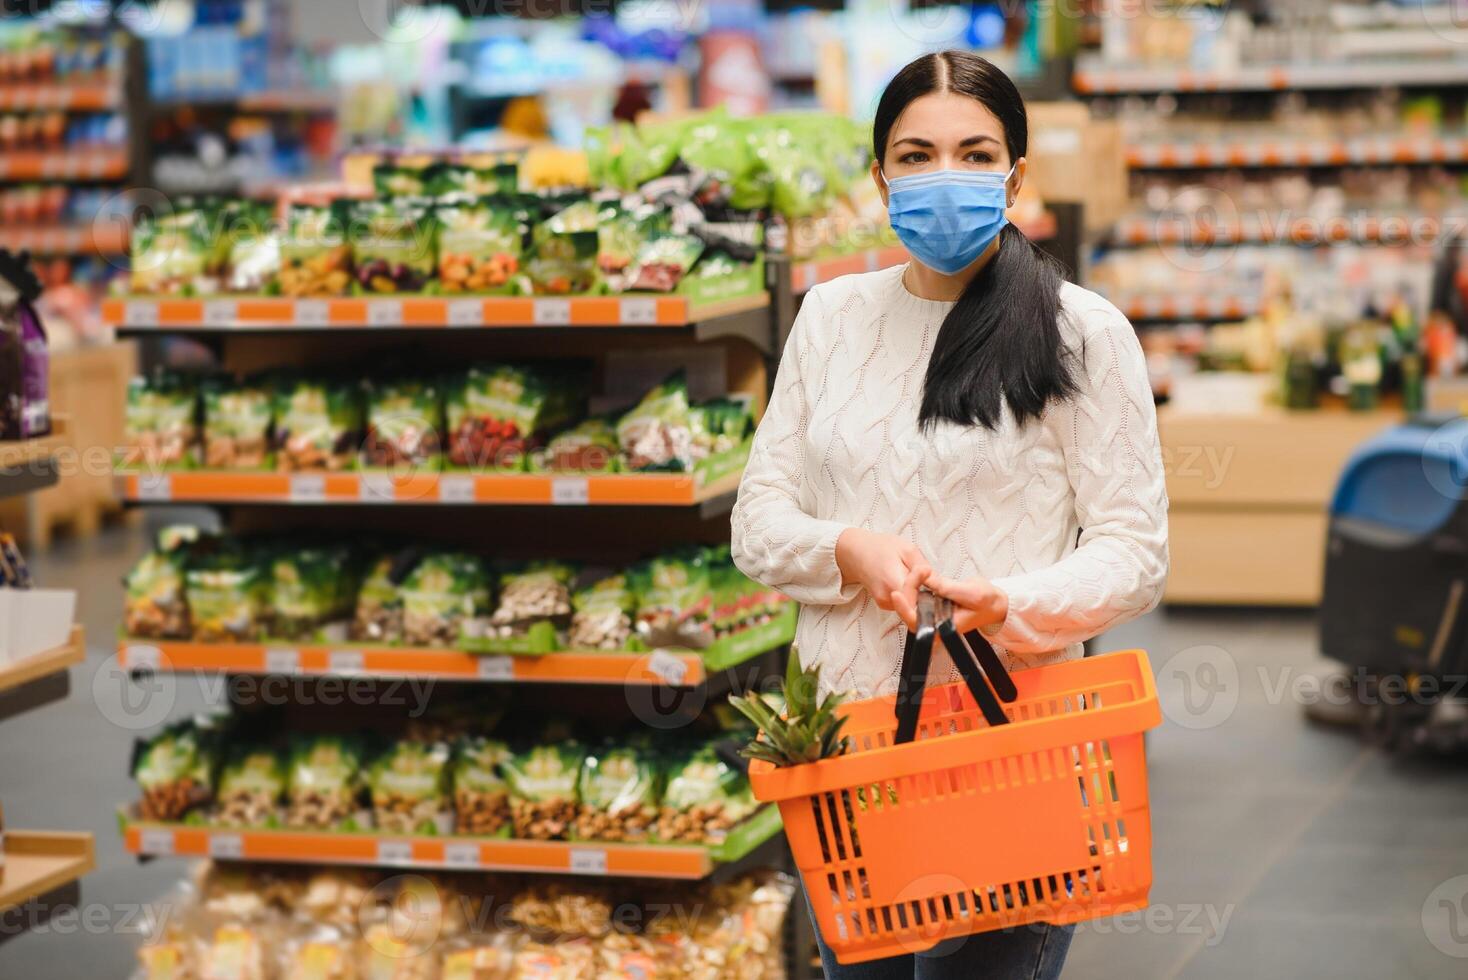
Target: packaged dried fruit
{"type": "Point", "coordinates": [175, 770]}
{"type": "Point", "coordinates": [379, 613]}
{"type": "Point", "coordinates": [618, 791]}
{"type": "Point", "coordinates": [602, 617]}
{"type": "Point", "coordinates": [481, 795]}
{"type": "Point", "coordinates": [446, 601]}
{"type": "Point", "coordinates": [478, 175]}
{"type": "Point", "coordinates": [588, 447]}
{"type": "Point", "coordinates": [170, 253]}
{"type": "Point", "coordinates": [657, 434]}
{"type": "Point", "coordinates": [318, 424]}
{"type": "Point", "coordinates": [404, 420]}
{"type": "Point", "coordinates": [155, 605]}
{"type": "Point", "coordinates": [703, 800]}
{"type": "Point", "coordinates": [228, 596]}
{"type": "Point", "coordinates": [496, 415]}
{"type": "Point", "coordinates": [662, 262]}
{"type": "Point", "coordinates": [534, 607]}
{"type": "Point", "coordinates": [563, 251]}
{"type": "Point", "coordinates": [542, 783]}
{"type": "Point", "coordinates": [315, 256]}
{"type": "Point", "coordinates": [409, 788]}
{"type": "Point", "coordinates": [323, 784]}
{"type": "Point", "coordinates": [309, 588]}
{"type": "Point", "coordinates": [622, 228]}
{"type": "Point", "coordinates": [251, 786]}
{"type": "Point", "coordinates": [674, 602]}
{"type": "Point", "coordinates": [394, 244]}
{"type": "Point", "coordinates": [251, 248]}
{"type": "Point", "coordinates": [479, 247]}
{"type": "Point", "coordinates": [160, 426]}
{"type": "Point", "coordinates": [237, 424]}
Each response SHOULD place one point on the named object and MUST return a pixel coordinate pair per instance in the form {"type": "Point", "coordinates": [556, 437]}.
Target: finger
{"type": "Point", "coordinates": [965, 620]}
{"type": "Point", "coordinates": [905, 608]}
{"type": "Point", "coordinates": [971, 593]}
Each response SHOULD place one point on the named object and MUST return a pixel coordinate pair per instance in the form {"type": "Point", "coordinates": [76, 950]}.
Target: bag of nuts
{"type": "Point", "coordinates": [542, 783]}
{"type": "Point", "coordinates": [674, 602]}
{"type": "Point", "coordinates": [408, 784]}
{"type": "Point", "coordinates": [379, 615]}
{"type": "Point", "coordinates": [307, 589]}
{"type": "Point", "coordinates": [160, 426]}
{"type": "Point", "coordinates": [446, 601]}
{"type": "Point", "coordinates": [618, 789]}
{"type": "Point", "coordinates": [318, 425]}
{"type": "Point", "coordinates": [315, 257]}
{"type": "Point", "coordinates": [237, 423]}
{"type": "Point", "coordinates": [154, 604]}
{"type": "Point", "coordinates": [603, 616]}
{"type": "Point", "coordinates": [481, 795]}
{"type": "Point", "coordinates": [533, 611]}
{"type": "Point", "coordinates": [229, 596]}
{"type": "Point", "coordinates": [404, 422]}
{"type": "Point", "coordinates": [175, 770]}
{"type": "Point", "coordinates": [250, 789]}
{"type": "Point", "coordinates": [323, 785]}
{"type": "Point", "coordinates": [704, 798]}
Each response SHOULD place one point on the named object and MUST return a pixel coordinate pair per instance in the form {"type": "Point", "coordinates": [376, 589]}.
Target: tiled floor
{"type": "Point", "coordinates": [1281, 850]}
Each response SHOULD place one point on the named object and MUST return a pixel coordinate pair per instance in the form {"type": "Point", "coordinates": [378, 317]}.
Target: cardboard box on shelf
{"type": "Point", "coordinates": [1076, 159]}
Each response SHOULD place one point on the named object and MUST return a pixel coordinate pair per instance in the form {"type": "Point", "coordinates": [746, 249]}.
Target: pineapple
{"type": "Point", "coordinates": [803, 729]}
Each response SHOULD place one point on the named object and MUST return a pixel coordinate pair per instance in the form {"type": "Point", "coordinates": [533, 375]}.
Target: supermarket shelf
{"type": "Point", "coordinates": [382, 488]}
{"type": "Point", "coordinates": [452, 853]}
{"type": "Point", "coordinates": [1192, 154]}
{"type": "Point", "coordinates": [27, 466]}
{"type": "Point", "coordinates": [1187, 306]}
{"type": "Point", "coordinates": [108, 164]}
{"type": "Point", "coordinates": [271, 100]}
{"type": "Point", "coordinates": [23, 671]}
{"type": "Point", "coordinates": [110, 238]}
{"type": "Point", "coordinates": [59, 96]}
{"type": "Point", "coordinates": [39, 862]}
{"type": "Point", "coordinates": [1358, 75]}
{"type": "Point", "coordinates": [664, 667]}
{"type": "Point", "coordinates": [1286, 229]}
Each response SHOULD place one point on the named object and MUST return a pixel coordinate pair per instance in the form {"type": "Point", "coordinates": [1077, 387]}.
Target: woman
{"type": "Point", "coordinates": [967, 422]}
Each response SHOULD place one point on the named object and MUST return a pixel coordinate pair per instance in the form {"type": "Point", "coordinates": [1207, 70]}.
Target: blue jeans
{"type": "Point", "coordinates": [1035, 952]}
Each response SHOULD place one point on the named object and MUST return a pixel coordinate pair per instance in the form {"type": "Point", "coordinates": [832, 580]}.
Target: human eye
{"type": "Point", "coordinates": [979, 157]}
{"type": "Point", "coordinates": [914, 157]}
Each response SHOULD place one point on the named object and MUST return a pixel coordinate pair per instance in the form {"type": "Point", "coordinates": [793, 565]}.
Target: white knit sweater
{"type": "Point", "coordinates": [1067, 515]}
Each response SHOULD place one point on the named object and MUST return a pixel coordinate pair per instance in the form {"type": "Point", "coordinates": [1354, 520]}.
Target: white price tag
{"type": "Point", "coordinates": [394, 852]}
{"type": "Point", "coordinates": [639, 312]}
{"type": "Point", "coordinates": [308, 488]}
{"type": "Point", "coordinates": [346, 661]}
{"type": "Point", "coordinates": [496, 668]}
{"type": "Point", "coordinates": [286, 661]}
{"type": "Point", "coordinates": [155, 486]}
{"type": "Point", "coordinates": [141, 657]}
{"type": "Point", "coordinates": [461, 855]}
{"type": "Point", "coordinates": [384, 313]}
{"type": "Point", "coordinates": [455, 489]}
{"type": "Point", "coordinates": [219, 313]}
{"type": "Point", "coordinates": [228, 847]}
{"type": "Point", "coordinates": [552, 313]}
{"type": "Point", "coordinates": [375, 488]}
{"type": "Point", "coordinates": [313, 313]}
{"type": "Point", "coordinates": [570, 490]}
{"type": "Point", "coordinates": [588, 861]}
{"type": "Point", "coordinates": [466, 313]}
{"type": "Point", "coordinates": [140, 313]}
{"type": "Point", "coordinates": [158, 843]}
{"type": "Point", "coordinates": [672, 669]}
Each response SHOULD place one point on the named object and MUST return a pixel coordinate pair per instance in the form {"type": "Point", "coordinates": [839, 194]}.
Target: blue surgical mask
{"type": "Point", "coordinates": [948, 217]}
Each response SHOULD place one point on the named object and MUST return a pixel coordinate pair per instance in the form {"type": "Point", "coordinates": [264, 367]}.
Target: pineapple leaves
{"type": "Point", "coordinates": [806, 730]}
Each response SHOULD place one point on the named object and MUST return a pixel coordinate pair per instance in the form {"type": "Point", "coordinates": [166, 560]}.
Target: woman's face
{"type": "Point", "coordinates": [946, 131]}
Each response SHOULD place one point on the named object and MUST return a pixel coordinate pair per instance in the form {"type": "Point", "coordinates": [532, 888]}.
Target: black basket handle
{"type": "Point", "coordinates": [934, 620]}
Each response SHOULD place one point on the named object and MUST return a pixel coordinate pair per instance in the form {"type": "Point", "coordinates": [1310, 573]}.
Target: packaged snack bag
{"type": "Point", "coordinates": [497, 414]}
{"type": "Point", "coordinates": [618, 791]}
{"type": "Point", "coordinates": [657, 434]}
{"type": "Point", "coordinates": [404, 420]}
{"type": "Point", "coordinates": [481, 795]}
{"type": "Point", "coordinates": [316, 258]}
{"type": "Point", "coordinates": [542, 783]}
{"type": "Point", "coordinates": [703, 799]}
{"type": "Point", "coordinates": [409, 788]}
{"type": "Point", "coordinates": [445, 601]}
{"type": "Point", "coordinates": [160, 425]}
{"type": "Point", "coordinates": [251, 786]}
{"type": "Point", "coordinates": [175, 771]}
{"type": "Point", "coordinates": [603, 615]}
{"type": "Point", "coordinates": [237, 425]}
{"type": "Point", "coordinates": [324, 783]}
{"type": "Point", "coordinates": [479, 247]}
{"type": "Point", "coordinates": [318, 424]}
{"type": "Point", "coordinates": [674, 602]}
{"type": "Point", "coordinates": [563, 251]}
{"type": "Point", "coordinates": [394, 244]}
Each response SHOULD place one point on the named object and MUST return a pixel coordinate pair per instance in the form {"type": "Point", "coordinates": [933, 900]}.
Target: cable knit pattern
{"type": "Point", "coordinates": [1068, 514]}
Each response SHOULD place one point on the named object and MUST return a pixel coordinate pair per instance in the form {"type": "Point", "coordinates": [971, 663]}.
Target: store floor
{"type": "Point", "coordinates": [1281, 850]}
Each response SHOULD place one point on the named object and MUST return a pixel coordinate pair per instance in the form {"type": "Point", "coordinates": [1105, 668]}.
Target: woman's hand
{"type": "Point", "coordinates": [978, 602]}
{"type": "Point", "coordinates": [888, 567]}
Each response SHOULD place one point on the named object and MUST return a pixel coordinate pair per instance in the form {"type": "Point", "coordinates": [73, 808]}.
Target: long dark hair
{"type": "Point", "coordinates": [1001, 343]}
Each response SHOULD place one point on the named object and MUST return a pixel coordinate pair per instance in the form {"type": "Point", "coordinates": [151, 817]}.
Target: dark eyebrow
{"type": "Point", "coordinates": [970, 141]}
{"type": "Point", "coordinates": [979, 139]}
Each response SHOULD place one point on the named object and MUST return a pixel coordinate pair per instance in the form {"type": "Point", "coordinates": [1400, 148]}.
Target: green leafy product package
{"type": "Point", "coordinates": [481, 795]}
{"type": "Point", "coordinates": [478, 175]}
{"type": "Point", "coordinates": [155, 605]}
{"type": "Point", "coordinates": [674, 603]}
{"type": "Point", "coordinates": [542, 781]}
{"type": "Point", "coordinates": [563, 251]}
{"type": "Point", "coordinates": [251, 787]}
{"type": "Point", "coordinates": [307, 588]}
{"type": "Point", "coordinates": [703, 800]}
{"type": "Point", "coordinates": [657, 434]}
{"type": "Point", "coordinates": [589, 446]}
{"type": "Point", "coordinates": [229, 598]}
{"type": "Point", "coordinates": [251, 249]}
{"type": "Point", "coordinates": [394, 244]}
{"type": "Point", "coordinates": [409, 788]}
{"type": "Point", "coordinates": [622, 229]}
{"type": "Point", "coordinates": [479, 247]}
{"type": "Point", "coordinates": [663, 260]}
{"type": "Point", "coordinates": [237, 425]}
{"type": "Point", "coordinates": [175, 771]}
{"type": "Point", "coordinates": [446, 602]}
{"type": "Point", "coordinates": [318, 425]}
{"type": "Point", "coordinates": [602, 617]}
{"type": "Point", "coordinates": [802, 181]}
{"type": "Point", "coordinates": [618, 792]}
{"type": "Point", "coordinates": [411, 175]}
{"type": "Point", "coordinates": [171, 254]}
{"type": "Point", "coordinates": [404, 421]}
{"type": "Point", "coordinates": [379, 614]}
{"type": "Point", "coordinates": [720, 426]}
{"type": "Point", "coordinates": [497, 415]}
{"type": "Point", "coordinates": [324, 786]}
{"type": "Point", "coordinates": [720, 146]}
{"type": "Point", "coordinates": [534, 609]}
{"type": "Point", "coordinates": [315, 256]}
{"type": "Point", "coordinates": [160, 424]}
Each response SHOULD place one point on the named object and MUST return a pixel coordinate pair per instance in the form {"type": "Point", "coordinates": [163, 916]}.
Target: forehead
{"type": "Point", "coordinates": [944, 116]}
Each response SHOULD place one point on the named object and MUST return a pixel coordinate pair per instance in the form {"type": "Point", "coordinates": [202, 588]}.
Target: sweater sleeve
{"type": "Point", "coordinates": [1108, 431]}
{"type": "Point", "coordinates": [774, 540]}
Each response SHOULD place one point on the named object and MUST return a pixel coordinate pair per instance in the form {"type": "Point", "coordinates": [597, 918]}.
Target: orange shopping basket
{"type": "Point", "coordinates": [951, 815]}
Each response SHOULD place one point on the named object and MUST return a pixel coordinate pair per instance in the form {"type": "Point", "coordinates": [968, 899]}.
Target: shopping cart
{"type": "Point", "coordinates": [953, 813]}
